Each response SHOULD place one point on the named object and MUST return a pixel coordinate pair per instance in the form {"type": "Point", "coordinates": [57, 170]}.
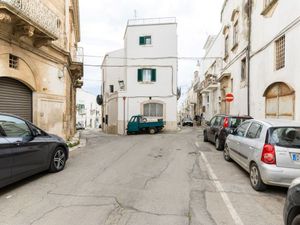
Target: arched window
{"type": "Point", "coordinates": [280, 101]}
{"type": "Point", "coordinates": [153, 110]}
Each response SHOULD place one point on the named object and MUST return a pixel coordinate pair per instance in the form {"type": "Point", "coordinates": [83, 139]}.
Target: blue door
{"type": "Point", "coordinates": [133, 125]}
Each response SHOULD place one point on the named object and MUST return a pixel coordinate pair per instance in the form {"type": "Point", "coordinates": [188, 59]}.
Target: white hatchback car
{"type": "Point", "coordinates": [268, 149]}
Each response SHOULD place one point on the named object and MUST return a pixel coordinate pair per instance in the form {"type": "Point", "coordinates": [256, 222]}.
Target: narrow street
{"type": "Point", "coordinates": [163, 179]}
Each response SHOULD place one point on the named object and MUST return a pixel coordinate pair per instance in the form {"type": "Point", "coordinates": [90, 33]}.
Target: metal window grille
{"type": "Point", "coordinates": [153, 110]}
{"type": "Point", "coordinates": [13, 62]}
{"type": "Point", "coordinates": [280, 53]}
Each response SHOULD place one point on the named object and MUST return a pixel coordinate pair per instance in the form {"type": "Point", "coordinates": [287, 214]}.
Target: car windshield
{"type": "Point", "coordinates": [236, 121]}
{"type": "Point", "coordinates": [285, 136]}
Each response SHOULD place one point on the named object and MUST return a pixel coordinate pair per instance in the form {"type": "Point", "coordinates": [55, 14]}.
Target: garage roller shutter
{"type": "Point", "coordinates": [15, 98]}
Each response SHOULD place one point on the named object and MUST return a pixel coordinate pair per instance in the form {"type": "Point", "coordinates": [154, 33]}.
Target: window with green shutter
{"type": "Point", "coordinates": [153, 75]}
{"type": "Point", "coordinates": [142, 41]}
{"type": "Point", "coordinates": [146, 75]}
{"type": "Point", "coordinates": [140, 75]}
{"type": "Point", "coordinates": [145, 40]}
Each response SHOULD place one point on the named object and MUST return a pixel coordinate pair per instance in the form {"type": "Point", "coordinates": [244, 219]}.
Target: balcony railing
{"type": "Point", "coordinates": [35, 11]}
{"type": "Point", "coordinates": [209, 80]}
{"type": "Point", "coordinates": [148, 21]}
{"type": "Point", "coordinates": [77, 54]}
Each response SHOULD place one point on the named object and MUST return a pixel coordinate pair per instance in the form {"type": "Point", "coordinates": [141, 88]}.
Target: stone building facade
{"type": "Point", "coordinates": [40, 63]}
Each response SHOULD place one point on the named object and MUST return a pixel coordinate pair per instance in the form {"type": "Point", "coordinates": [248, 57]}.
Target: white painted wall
{"type": "Point", "coordinates": [164, 51]}
{"type": "Point", "coordinates": [263, 73]}
{"type": "Point", "coordinates": [233, 64]}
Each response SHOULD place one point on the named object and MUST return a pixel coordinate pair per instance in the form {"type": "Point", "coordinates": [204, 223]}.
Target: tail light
{"type": "Point", "coordinates": [268, 155]}
{"type": "Point", "coordinates": [226, 122]}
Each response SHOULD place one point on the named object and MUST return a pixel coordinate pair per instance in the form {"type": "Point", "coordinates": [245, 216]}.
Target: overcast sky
{"type": "Point", "coordinates": [103, 23]}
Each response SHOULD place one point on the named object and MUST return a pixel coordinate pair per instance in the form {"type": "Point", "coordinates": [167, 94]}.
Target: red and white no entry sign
{"type": "Point", "coordinates": [229, 97]}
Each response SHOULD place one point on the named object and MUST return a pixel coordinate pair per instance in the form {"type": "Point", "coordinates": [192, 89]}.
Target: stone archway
{"type": "Point", "coordinates": [280, 101]}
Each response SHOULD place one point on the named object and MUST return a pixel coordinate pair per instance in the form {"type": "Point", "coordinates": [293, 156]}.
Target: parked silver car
{"type": "Point", "coordinates": [268, 149]}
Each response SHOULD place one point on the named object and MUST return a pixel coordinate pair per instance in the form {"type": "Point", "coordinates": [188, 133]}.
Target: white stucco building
{"type": "Point", "coordinates": [258, 44]}
{"type": "Point", "coordinates": [208, 90]}
{"type": "Point", "coordinates": [141, 78]}
{"type": "Point", "coordinates": [274, 66]}
{"type": "Point", "coordinates": [235, 34]}
{"type": "Point", "coordinates": [88, 112]}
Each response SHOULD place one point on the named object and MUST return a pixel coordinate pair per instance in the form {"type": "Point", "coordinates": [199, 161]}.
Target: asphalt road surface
{"type": "Point", "coordinates": [162, 179]}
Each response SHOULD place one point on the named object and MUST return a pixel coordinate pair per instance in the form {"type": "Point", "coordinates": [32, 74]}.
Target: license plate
{"type": "Point", "coordinates": [295, 156]}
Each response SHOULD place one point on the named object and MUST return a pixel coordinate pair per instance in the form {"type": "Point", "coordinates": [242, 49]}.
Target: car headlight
{"type": "Point", "coordinates": [295, 182]}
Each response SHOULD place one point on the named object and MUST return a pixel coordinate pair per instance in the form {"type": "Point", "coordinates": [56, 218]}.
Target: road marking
{"type": "Point", "coordinates": [236, 218]}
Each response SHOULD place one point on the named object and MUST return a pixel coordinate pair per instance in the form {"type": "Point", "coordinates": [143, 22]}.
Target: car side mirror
{"type": "Point", "coordinates": [36, 132]}
{"type": "Point", "coordinates": [208, 123]}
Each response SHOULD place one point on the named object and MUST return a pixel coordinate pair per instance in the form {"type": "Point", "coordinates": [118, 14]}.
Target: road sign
{"type": "Point", "coordinates": [229, 97]}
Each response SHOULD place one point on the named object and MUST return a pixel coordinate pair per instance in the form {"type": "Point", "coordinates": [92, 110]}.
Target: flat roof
{"type": "Point", "coordinates": [151, 21]}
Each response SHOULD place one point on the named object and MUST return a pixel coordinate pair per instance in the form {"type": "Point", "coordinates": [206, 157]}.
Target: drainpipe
{"type": "Point", "coordinates": [248, 54]}
{"type": "Point", "coordinates": [124, 115]}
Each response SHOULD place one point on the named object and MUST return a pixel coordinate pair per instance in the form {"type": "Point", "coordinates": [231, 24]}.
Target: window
{"type": "Point", "coordinates": [280, 53]}
{"type": "Point", "coordinates": [268, 3]}
{"type": "Point", "coordinates": [212, 121]}
{"type": "Point", "coordinates": [111, 88]}
{"type": "Point", "coordinates": [218, 121]}
{"type": "Point", "coordinates": [14, 127]}
{"type": "Point", "coordinates": [235, 122]}
{"type": "Point", "coordinates": [146, 75]}
{"type": "Point", "coordinates": [13, 61]}
{"type": "Point", "coordinates": [285, 136]}
{"type": "Point", "coordinates": [145, 40]}
{"type": "Point", "coordinates": [243, 69]}
{"type": "Point", "coordinates": [268, 6]}
{"type": "Point", "coordinates": [241, 130]}
{"type": "Point", "coordinates": [254, 131]}
{"type": "Point", "coordinates": [235, 34]}
{"type": "Point", "coordinates": [81, 108]}
{"type": "Point", "coordinates": [153, 110]}
{"type": "Point", "coordinates": [226, 46]}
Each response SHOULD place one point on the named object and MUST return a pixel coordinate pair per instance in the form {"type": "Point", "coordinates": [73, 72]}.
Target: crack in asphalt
{"type": "Point", "coordinates": [156, 176]}
{"type": "Point", "coordinates": [197, 199]}
{"type": "Point", "coordinates": [65, 207]}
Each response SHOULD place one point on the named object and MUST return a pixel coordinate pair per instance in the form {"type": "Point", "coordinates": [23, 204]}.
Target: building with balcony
{"type": "Point", "coordinates": [141, 78]}
{"type": "Point", "coordinates": [208, 90]}
{"type": "Point", "coordinates": [40, 66]}
{"type": "Point", "coordinates": [235, 42]}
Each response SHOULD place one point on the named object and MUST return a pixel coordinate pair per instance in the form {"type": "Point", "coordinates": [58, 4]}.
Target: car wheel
{"type": "Point", "coordinates": [205, 138]}
{"type": "Point", "coordinates": [58, 160]}
{"type": "Point", "coordinates": [226, 154]}
{"type": "Point", "coordinates": [255, 178]}
{"type": "Point", "coordinates": [296, 220]}
{"type": "Point", "coordinates": [218, 144]}
{"type": "Point", "coordinates": [152, 131]}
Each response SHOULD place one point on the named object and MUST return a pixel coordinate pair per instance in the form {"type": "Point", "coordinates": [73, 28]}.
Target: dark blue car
{"type": "Point", "coordinates": [26, 150]}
